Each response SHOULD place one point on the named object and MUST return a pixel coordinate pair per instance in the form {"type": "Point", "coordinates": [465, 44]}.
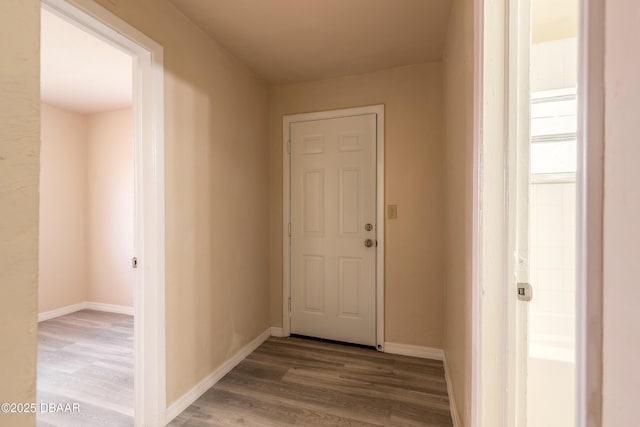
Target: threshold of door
{"type": "Point", "coordinates": [350, 344]}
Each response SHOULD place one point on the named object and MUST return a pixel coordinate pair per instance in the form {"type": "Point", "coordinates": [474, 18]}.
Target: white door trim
{"type": "Point", "coordinates": [149, 238]}
{"type": "Point", "coordinates": [286, 208]}
{"type": "Point", "coordinates": [590, 193]}
{"type": "Point", "coordinates": [517, 209]}
{"type": "Point", "coordinates": [476, 226]}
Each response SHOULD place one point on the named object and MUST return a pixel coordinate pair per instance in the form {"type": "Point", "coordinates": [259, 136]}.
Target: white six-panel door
{"type": "Point", "coordinates": [333, 214]}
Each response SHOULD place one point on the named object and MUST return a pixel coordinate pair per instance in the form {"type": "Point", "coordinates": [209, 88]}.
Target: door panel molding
{"type": "Point", "coordinates": [349, 144]}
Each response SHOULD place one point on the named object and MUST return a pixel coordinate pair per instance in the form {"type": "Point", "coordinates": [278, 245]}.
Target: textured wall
{"type": "Point", "coordinates": [19, 172]}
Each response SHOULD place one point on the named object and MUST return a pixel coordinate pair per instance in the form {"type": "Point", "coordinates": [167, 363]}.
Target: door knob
{"type": "Point", "coordinates": [368, 243]}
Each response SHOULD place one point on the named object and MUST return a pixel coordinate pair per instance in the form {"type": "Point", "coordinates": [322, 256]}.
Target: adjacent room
{"type": "Point", "coordinates": [86, 279]}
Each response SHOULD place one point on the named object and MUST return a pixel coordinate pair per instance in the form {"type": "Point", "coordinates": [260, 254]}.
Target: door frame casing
{"type": "Point", "coordinates": [149, 191]}
{"type": "Point", "coordinates": [590, 207]}
{"type": "Point", "coordinates": [517, 143]}
{"type": "Point", "coordinates": [287, 120]}
{"type": "Point", "coordinates": [589, 180]}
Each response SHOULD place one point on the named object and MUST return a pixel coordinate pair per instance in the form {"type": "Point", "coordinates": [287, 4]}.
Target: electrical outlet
{"type": "Point", "coordinates": [392, 211]}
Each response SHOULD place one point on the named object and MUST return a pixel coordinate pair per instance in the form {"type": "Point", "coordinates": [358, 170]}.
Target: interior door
{"type": "Point", "coordinates": [333, 229]}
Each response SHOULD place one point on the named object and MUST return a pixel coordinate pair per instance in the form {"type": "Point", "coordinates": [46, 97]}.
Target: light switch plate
{"type": "Point", "coordinates": [392, 211]}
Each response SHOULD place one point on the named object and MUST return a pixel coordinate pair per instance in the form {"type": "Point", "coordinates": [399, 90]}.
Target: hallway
{"type": "Point", "coordinates": [293, 381]}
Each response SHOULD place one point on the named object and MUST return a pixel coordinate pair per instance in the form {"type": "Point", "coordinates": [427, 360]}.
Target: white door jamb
{"type": "Point", "coordinates": [590, 193]}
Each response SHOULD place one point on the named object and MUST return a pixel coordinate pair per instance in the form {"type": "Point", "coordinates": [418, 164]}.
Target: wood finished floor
{"type": "Point", "coordinates": [87, 357]}
{"type": "Point", "coordinates": [292, 381]}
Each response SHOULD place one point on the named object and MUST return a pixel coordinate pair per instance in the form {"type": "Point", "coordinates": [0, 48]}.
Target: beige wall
{"type": "Point", "coordinates": [19, 172]}
{"type": "Point", "coordinates": [458, 141]}
{"type": "Point", "coordinates": [413, 180]}
{"type": "Point", "coordinates": [63, 199]}
{"type": "Point", "coordinates": [621, 381]}
{"type": "Point", "coordinates": [109, 207]}
{"type": "Point", "coordinates": [216, 127]}
{"type": "Point", "coordinates": [86, 209]}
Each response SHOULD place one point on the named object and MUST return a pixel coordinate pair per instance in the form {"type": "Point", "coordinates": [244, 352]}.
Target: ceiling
{"type": "Point", "coordinates": [301, 40]}
{"type": "Point", "coordinates": [283, 40]}
{"type": "Point", "coordinates": [80, 72]}
{"type": "Point", "coordinates": [554, 19]}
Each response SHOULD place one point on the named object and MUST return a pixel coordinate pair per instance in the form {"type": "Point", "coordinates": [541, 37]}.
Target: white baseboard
{"type": "Point", "coordinates": [85, 305]}
{"type": "Point", "coordinates": [209, 381]}
{"type": "Point", "coordinates": [277, 332]}
{"type": "Point", "coordinates": [109, 308]}
{"type": "Point", "coordinates": [452, 398]}
{"type": "Point", "coordinates": [414, 351]}
{"type": "Point", "coordinates": [62, 311]}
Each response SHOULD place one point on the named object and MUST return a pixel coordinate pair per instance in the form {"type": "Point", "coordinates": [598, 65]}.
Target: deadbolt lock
{"type": "Point", "coordinates": [368, 226]}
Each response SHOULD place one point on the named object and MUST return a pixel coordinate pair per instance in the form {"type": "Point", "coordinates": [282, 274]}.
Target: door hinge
{"type": "Point", "coordinates": [289, 304]}
{"type": "Point", "coordinates": [134, 262]}
{"type": "Point", "coordinates": [289, 229]}
{"type": "Point", "coordinates": [289, 146]}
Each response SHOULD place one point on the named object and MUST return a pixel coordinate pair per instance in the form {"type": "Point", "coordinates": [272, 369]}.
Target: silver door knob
{"type": "Point", "coordinates": [368, 243]}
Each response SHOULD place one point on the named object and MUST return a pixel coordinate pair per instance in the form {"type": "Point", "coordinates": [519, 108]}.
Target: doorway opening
{"type": "Point", "coordinates": [86, 280]}
{"type": "Point", "coordinates": [333, 225]}
{"type": "Point", "coordinates": [552, 222]}
{"type": "Point", "coordinates": [102, 219]}
{"type": "Point", "coordinates": [533, 294]}
{"type": "Point", "coordinates": [543, 60]}
{"type": "Point", "coordinates": [537, 231]}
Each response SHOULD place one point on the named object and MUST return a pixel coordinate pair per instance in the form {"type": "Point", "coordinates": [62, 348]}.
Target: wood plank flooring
{"type": "Point", "coordinates": [86, 357]}
{"type": "Point", "coordinates": [292, 381]}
